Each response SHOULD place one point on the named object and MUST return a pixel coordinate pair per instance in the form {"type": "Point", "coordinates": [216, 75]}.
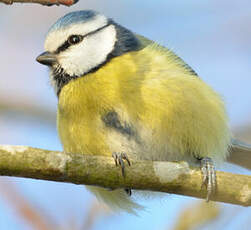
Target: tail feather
{"type": "Point", "coordinates": [117, 200]}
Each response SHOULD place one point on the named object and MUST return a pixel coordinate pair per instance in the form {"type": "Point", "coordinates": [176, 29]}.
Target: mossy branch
{"type": "Point", "coordinates": [177, 178]}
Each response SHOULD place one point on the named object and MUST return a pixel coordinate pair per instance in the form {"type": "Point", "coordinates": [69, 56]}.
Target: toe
{"type": "Point", "coordinates": [125, 157]}
{"type": "Point", "coordinates": [209, 176]}
{"type": "Point", "coordinates": [115, 157]}
{"type": "Point", "coordinates": [119, 160]}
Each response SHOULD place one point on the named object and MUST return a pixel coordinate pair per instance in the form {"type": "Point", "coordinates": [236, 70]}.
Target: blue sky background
{"type": "Point", "coordinates": [213, 37]}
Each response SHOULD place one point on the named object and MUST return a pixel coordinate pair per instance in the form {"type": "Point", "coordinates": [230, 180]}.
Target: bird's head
{"type": "Point", "coordinates": [81, 42]}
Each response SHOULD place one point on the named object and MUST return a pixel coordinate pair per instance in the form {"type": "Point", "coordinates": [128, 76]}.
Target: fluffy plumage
{"type": "Point", "coordinates": [142, 100]}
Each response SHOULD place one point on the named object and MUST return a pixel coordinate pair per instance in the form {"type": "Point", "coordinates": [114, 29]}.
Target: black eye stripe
{"type": "Point", "coordinates": [66, 44]}
{"type": "Point", "coordinates": [63, 47]}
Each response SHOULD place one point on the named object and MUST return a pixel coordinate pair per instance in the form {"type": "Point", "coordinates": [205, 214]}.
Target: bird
{"type": "Point", "coordinates": [123, 95]}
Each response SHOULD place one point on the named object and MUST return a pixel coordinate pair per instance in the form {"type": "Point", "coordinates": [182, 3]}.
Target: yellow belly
{"type": "Point", "coordinates": [174, 114]}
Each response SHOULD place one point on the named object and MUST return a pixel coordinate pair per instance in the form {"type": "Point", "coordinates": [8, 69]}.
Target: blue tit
{"type": "Point", "coordinates": [122, 94]}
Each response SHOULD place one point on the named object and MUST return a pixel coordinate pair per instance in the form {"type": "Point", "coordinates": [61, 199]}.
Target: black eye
{"type": "Point", "coordinates": [74, 39]}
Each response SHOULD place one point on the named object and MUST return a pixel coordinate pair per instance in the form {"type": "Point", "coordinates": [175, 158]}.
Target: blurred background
{"type": "Point", "coordinates": [212, 36]}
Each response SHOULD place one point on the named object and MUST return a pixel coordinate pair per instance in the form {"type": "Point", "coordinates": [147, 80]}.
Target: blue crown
{"type": "Point", "coordinates": [73, 18]}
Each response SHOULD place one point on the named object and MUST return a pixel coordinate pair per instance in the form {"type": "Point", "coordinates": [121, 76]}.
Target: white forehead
{"type": "Point", "coordinates": [62, 29]}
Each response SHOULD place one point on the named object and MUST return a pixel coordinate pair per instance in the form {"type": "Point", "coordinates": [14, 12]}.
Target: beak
{"type": "Point", "coordinates": [46, 58]}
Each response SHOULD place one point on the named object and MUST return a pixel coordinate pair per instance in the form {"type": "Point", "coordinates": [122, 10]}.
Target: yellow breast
{"type": "Point", "coordinates": [171, 111]}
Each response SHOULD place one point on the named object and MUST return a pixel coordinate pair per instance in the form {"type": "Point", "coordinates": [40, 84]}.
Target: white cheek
{"type": "Point", "coordinates": [91, 52]}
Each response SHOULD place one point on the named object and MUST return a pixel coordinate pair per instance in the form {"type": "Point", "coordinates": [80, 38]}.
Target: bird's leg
{"type": "Point", "coordinates": [209, 176]}
{"type": "Point", "coordinates": [119, 160]}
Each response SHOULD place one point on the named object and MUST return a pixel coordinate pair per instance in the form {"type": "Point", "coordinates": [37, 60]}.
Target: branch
{"type": "Point", "coordinates": [27, 107]}
{"type": "Point", "coordinates": [170, 177]}
{"type": "Point", "coordinates": [198, 215]}
{"type": "Point", "coordinates": [240, 154]}
{"type": "Point", "coordinates": [34, 216]}
{"type": "Point", "coordinates": [43, 2]}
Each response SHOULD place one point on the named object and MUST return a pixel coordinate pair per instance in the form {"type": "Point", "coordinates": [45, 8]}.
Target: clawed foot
{"type": "Point", "coordinates": [209, 176]}
{"type": "Point", "coordinates": [119, 160]}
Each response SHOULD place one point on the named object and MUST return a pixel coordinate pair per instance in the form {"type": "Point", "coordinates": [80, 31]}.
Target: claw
{"type": "Point", "coordinates": [119, 160]}
{"type": "Point", "coordinates": [115, 157]}
{"type": "Point", "coordinates": [209, 176]}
